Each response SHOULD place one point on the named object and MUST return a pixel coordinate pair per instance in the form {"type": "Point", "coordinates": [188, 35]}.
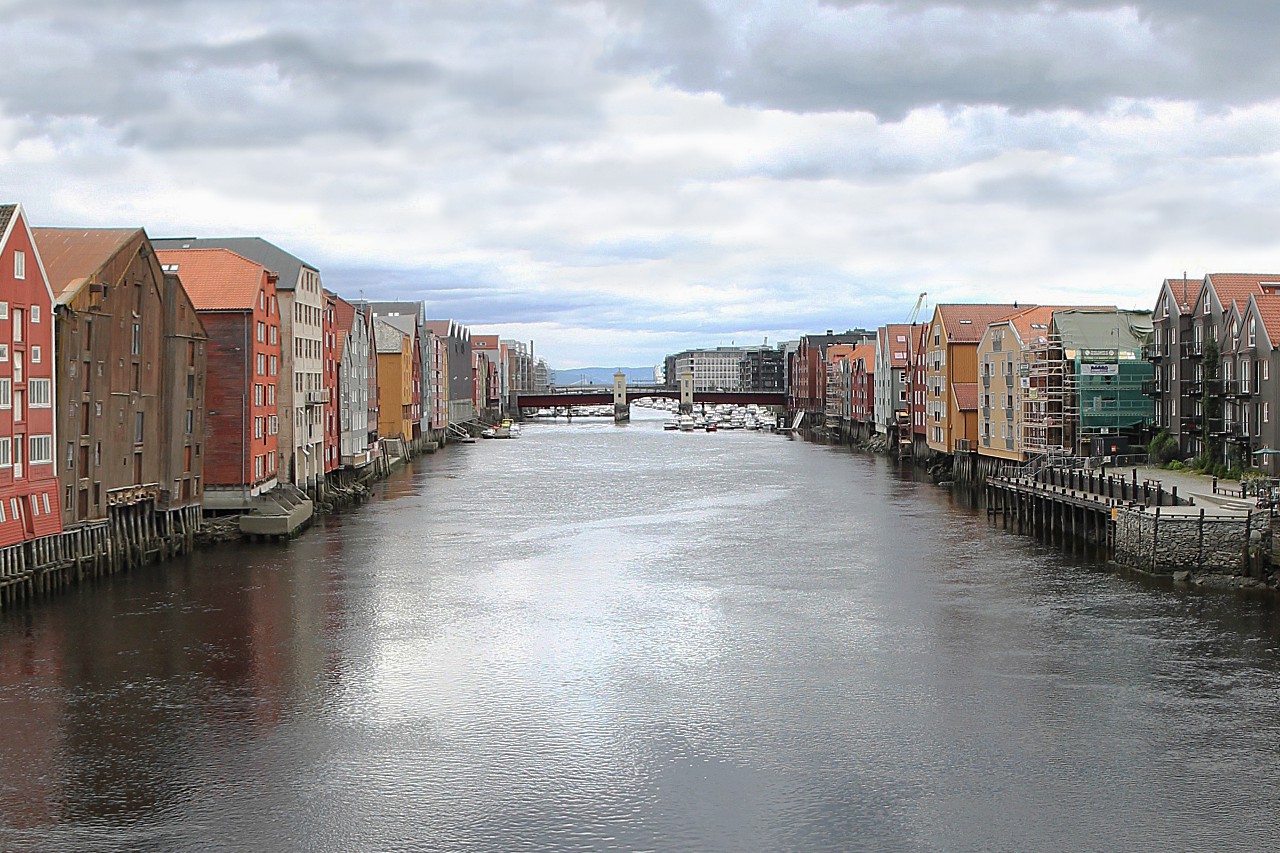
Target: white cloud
{"type": "Point", "coordinates": [632, 178]}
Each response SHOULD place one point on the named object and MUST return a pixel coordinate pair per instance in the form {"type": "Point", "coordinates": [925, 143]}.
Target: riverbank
{"type": "Point", "coordinates": [1206, 540]}
{"type": "Point", "coordinates": [137, 536]}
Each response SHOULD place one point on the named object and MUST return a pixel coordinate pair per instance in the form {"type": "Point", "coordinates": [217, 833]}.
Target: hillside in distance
{"type": "Point", "coordinates": [579, 376]}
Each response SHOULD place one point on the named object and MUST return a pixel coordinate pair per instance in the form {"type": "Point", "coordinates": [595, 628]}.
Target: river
{"type": "Point", "coordinates": [603, 637]}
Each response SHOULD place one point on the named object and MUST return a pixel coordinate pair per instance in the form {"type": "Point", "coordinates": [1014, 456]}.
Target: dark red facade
{"type": "Point", "coordinates": [29, 505]}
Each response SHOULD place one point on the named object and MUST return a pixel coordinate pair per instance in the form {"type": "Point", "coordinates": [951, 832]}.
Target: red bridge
{"type": "Point", "coordinates": [604, 397]}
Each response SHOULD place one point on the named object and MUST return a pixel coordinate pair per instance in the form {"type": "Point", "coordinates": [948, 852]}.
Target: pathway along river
{"type": "Point", "coordinates": [618, 638]}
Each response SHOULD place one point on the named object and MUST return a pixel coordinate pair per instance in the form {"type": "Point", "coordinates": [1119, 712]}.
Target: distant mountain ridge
{"type": "Point", "coordinates": [601, 376]}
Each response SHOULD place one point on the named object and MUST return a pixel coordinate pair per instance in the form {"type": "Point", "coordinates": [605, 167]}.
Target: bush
{"type": "Point", "coordinates": [1175, 465]}
{"type": "Point", "coordinates": [1163, 448]}
{"type": "Point", "coordinates": [1220, 471]}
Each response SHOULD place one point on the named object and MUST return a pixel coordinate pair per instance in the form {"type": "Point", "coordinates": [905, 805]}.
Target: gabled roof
{"type": "Point", "coordinates": [1267, 307]}
{"type": "Point", "coordinates": [11, 217]}
{"type": "Point", "coordinates": [387, 339]}
{"type": "Point", "coordinates": [1184, 292]}
{"type": "Point", "coordinates": [269, 255]}
{"type": "Point", "coordinates": [866, 353]}
{"type": "Point", "coordinates": [965, 323]}
{"type": "Point", "coordinates": [344, 320]}
{"type": "Point", "coordinates": [72, 256]}
{"type": "Point", "coordinates": [965, 395]}
{"type": "Point", "coordinates": [896, 353]}
{"type": "Point", "coordinates": [1238, 287]}
{"type": "Point", "coordinates": [416, 310]}
{"type": "Point", "coordinates": [215, 279]}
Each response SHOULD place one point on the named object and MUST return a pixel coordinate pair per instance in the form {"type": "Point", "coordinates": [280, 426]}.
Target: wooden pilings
{"type": "Point", "coordinates": [1062, 507]}
{"type": "Point", "coordinates": [130, 536]}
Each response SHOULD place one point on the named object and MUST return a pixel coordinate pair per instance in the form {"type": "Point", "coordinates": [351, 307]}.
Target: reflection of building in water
{"type": "Point", "coordinates": [31, 704]}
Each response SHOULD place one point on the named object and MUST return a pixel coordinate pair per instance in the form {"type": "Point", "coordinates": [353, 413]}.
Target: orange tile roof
{"type": "Point", "coordinates": [899, 352]}
{"type": "Point", "coordinates": [966, 323]}
{"type": "Point", "coordinates": [1268, 308]}
{"type": "Point", "coordinates": [1184, 291]}
{"type": "Point", "coordinates": [866, 352]}
{"type": "Point", "coordinates": [72, 256]}
{"type": "Point", "coordinates": [216, 279]}
{"type": "Point", "coordinates": [966, 395]}
{"type": "Point", "coordinates": [1238, 287]}
{"type": "Point", "coordinates": [344, 317]}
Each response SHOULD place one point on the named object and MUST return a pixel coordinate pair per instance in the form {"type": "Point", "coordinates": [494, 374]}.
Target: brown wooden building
{"type": "Point", "coordinates": [130, 396]}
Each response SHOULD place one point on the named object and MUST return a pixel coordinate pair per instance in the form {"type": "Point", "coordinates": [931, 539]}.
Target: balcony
{"type": "Point", "coordinates": [315, 398]}
{"type": "Point", "coordinates": [1192, 387]}
{"type": "Point", "coordinates": [1244, 389]}
{"type": "Point", "coordinates": [1192, 426]}
{"type": "Point", "coordinates": [1193, 349]}
{"type": "Point", "coordinates": [1151, 388]}
{"type": "Point", "coordinates": [964, 445]}
{"type": "Point", "coordinates": [1154, 352]}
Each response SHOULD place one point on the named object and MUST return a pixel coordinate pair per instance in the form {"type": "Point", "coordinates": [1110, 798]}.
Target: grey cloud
{"type": "Point", "coordinates": [891, 57]}
{"type": "Point", "coordinates": [235, 73]}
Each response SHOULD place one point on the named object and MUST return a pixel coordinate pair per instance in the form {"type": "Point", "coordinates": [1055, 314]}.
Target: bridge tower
{"type": "Point", "coordinates": [686, 392]}
{"type": "Point", "coordinates": [621, 411]}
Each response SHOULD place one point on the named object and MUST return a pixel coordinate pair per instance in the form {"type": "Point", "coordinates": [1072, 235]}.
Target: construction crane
{"type": "Point", "coordinates": [915, 312]}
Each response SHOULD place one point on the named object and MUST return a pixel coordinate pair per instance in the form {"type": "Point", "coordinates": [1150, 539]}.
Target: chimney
{"type": "Point", "coordinates": [830, 332]}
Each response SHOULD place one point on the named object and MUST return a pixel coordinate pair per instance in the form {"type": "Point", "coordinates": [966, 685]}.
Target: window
{"type": "Point", "coordinates": [35, 353]}
{"type": "Point", "coordinates": [190, 422]}
{"type": "Point", "coordinates": [35, 313]}
{"type": "Point", "coordinates": [261, 331]}
{"type": "Point", "coordinates": [41, 450]}
{"type": "Point", "coordinates": [19, 265]}
{"type": "Point", "coordinates": [39, 393]}
{"type": "Point", "coordinates": [44, 499]}
{"type": "Point", "coordinates": [262, 364]}
{"type": "Point", "coordinates": [137, 340]}
{"type": "Point", "coordinates": [6, 393]}
{"type": "Point", "coordinates": [138, 428]}
{"type": "Point", "coordinates": [4, 310]}
{"type": "Point", "coordinates": [6, 452]}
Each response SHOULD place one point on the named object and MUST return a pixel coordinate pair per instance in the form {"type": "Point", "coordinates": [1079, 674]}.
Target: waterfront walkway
{"type": "Point", "coordinates": [1199, 487]}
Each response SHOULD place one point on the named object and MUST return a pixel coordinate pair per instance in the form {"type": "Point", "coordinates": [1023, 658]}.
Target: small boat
{"type": "Point", "coordinates": [506, 429]}
{"type": "Point", "coordinates": [672, 424]}
{"type": "Point", "coordinates": [685, 422]}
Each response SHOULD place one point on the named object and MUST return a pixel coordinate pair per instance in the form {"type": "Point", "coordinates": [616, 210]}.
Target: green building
{"type": "Point", "coordinates": [1103, 371]}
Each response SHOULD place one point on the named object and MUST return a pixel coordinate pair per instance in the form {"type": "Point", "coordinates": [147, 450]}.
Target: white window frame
{"type": "Point", "coordinates": [42, 399]}
{"type": "Point", "coordinates": [36, 354]}
{"type": "Point", "coordinates": [6, 452]}
{"type": "Point", "coordinates": [6, 393]}
{"type": "Point", "coordinates": [45, 443]}
{"type": "Point", "coordinates": [20, 265]}
{"type": "Point", "coordinates": [35, 313]}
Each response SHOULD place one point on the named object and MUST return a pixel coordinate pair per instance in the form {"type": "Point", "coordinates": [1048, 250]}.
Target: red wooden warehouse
{"type": "Point", "coordinates": [29, 505]}
{"type": "Point", "coordinates": [235, 299]}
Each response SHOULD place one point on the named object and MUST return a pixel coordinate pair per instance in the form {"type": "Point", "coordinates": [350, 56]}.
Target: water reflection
{"type": "Point", "coordinates": [605, 637]}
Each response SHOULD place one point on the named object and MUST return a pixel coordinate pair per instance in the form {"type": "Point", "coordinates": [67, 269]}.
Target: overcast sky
{"type": "Point", "coordinates": [621, 179]}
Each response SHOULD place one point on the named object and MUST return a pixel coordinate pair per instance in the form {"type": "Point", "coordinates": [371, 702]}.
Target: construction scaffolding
{"type": "Point", "coordinates": [1047, 400]}
{"type": "Point", "coordinates": [1069, 397]}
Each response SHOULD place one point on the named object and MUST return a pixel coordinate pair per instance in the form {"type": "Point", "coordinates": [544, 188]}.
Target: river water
{"type": "Point", "coordinates": [606, 637]}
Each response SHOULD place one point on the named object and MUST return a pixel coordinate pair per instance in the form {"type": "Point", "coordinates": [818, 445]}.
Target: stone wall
{"type": "Point", "coordinates": [1201, 543]}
